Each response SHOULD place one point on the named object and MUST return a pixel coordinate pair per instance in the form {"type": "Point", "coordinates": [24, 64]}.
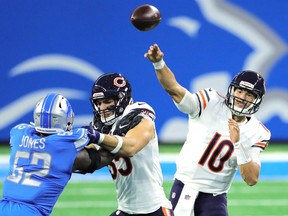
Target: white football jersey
{"type": "Point", "coordinates": [139, 178]}
{"type": "Point", "coordinates": [207, 161]}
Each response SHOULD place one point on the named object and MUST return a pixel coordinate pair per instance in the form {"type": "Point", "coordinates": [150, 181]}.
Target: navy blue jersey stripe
{"type": "Point", "coordinates": [199, 104]}
{"type": "Point", "coordinates": [207, 95]}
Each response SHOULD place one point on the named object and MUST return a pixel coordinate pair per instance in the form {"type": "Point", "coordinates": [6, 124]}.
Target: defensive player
{"type": "Point", "coordinates": [223, 134]}
{"type": "Point", "coordinates": [135, 168]}
{"type": "Point", "coordinates": [43, 156]}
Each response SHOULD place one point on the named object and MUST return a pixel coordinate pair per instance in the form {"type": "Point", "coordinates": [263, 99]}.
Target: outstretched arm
{"type": "Point", "coordinates": [135, 139]}
{"type": "Point", "coordinates": [164, 74]}
{"type": "Point", "coordinates": [89, 159]}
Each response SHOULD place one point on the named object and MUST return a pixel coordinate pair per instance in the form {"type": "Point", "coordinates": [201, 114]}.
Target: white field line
{"type": "Point", "coordinates": [86, 191]}
{"type": "Point", "coordinates": [265, 157]}
{"type": "Point", "coordinates": [90, 191]}
{"type": "Point", "coordinates": [86, 204]}
{"type": "Point", "coordinates": [259, 202]}
{"type": "Point", "coordinates": [231, 202]}
{"type": "Point", "coordinates": [171, 157]}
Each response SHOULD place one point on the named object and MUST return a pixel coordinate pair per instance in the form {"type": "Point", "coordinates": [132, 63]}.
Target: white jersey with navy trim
{"type": "Point", "coordinates": [139, 178]}
{"type": "Point", "coordinates": [207, 162]}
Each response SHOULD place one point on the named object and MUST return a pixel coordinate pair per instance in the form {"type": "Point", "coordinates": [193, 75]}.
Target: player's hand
{"type": "Point", "coordinates": [154, 54]}
{"type": "Point", "coordinates": [93, 134]}
{"type": "Point", "coordinates": [234, 130]}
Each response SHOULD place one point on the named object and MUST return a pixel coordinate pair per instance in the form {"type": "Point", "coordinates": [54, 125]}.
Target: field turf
{"type": "Point", "coordinates": [98, 198]}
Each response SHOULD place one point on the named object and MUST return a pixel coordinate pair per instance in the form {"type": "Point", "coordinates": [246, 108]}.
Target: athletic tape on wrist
{"type": "Point", "coordinates": [119, 145]}
{"type": "Point", "coordinates": [101, 138]}
{"type": "Point", "coordinates": [159, 65]}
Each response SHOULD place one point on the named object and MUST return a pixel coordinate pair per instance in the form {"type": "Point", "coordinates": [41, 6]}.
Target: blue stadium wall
{"type": "Point", "coordinates": [64, 45]}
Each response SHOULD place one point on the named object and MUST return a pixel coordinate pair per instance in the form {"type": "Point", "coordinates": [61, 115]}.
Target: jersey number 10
{"type": "Point", "coordinates": [214, 153]}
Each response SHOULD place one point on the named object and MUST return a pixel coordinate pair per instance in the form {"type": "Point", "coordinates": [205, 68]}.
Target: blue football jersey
{"type": "Point", "coordinates": [40, 167]}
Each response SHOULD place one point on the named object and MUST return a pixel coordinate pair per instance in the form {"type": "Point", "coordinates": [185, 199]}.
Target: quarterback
{"type": "Point", "coordinates": [223, 135]}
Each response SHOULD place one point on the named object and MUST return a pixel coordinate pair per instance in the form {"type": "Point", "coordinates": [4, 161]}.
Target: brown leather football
{"type": "Point", "coordinates": [145, 17]}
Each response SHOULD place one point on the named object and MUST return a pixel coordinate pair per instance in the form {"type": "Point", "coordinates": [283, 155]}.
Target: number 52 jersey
{"type": "Point", "coordinates": [40, 167]}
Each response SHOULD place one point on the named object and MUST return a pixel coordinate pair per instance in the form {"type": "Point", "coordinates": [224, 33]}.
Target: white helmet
{"type": "Point", "coordinates": [53, 114]}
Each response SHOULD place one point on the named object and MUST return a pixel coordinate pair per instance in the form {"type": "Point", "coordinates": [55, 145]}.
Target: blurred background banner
{"type": "Point", "coordinates": [64, 45]}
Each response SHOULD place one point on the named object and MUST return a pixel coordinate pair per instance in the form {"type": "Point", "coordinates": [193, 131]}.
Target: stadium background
{"type": "Point", "coordinates": [64, 45]}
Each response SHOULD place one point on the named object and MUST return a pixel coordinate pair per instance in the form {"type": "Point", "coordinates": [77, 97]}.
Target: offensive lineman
{"type": "Point", "coordinates": [223, 136]}
{"type": "Point", "coordinates": [136, 167]}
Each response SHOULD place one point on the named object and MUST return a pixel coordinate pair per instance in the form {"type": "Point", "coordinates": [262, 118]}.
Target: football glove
{"type": "Point", "coordinates": [94, 135]}
{"type": "Point", "coordinates": [128, 122]}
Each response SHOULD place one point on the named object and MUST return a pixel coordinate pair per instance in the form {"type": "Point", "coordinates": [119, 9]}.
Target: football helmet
{"type": "Point", "coordinates": [111, 86]}
{"type": "Point", "coordinates": [53, 114]}
{"type": "Point", "coordinates": [249, 81]}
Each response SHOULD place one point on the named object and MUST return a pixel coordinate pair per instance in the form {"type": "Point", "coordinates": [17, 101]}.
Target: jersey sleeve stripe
{"type": "Point", "coordinates": [203, 99]}
{"type": "Point", "coordinates": [200, 107]}
{"type": "Point", "coordinates": [207, 95]}
{"type": "Point", "coordinates": [262, 144]}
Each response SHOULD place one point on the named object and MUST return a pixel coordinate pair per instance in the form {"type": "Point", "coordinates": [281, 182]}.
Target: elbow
{"type": "Point", "coordinates": [128, 152]}
{"type": "Point", "coordinates": [251, 181]}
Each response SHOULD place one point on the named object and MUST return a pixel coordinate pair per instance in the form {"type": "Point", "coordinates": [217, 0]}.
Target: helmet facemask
{"type": "Point", "coordinates": [110, 87]}
{"type": "Point", "coordinates": [110, 112]}
{"type": "Point", "coordinates": [249, 81]}
{"type": "Point", "coordinates": [249, 107]}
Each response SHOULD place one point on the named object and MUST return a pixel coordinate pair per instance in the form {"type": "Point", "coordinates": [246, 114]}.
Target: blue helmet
{"type": "Point", "coordinates": [53, 114]}
{"type": "Point", "coordinates": [249, 81]}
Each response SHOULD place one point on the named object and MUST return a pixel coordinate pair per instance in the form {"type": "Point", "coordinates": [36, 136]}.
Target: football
{"type": "Point", "coordinates": [145, 17]}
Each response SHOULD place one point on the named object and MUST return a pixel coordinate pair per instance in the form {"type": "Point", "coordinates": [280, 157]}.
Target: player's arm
{"type": "Point", "coordinates": [165, 76]}
{"type": "Point", "coordinates": [249, 169]}
{"type": "Point", "coordinates": [89, 159]}
{"type": "Point", "coordinates": [250, 172]}
{"type": "Point", "coordinates": [134, 140]}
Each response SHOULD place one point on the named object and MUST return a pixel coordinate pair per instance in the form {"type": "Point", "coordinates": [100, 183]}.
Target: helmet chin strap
{"type": "Point", "coordinates": [109, 120]}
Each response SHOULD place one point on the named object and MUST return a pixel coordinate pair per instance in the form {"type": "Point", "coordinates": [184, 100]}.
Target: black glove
{"type": "Point", "coordinates": [128, 122]}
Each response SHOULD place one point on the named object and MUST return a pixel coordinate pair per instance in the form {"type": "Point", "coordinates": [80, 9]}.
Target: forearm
{"type": "Point", "coordinates": [89, 159]}
{"type": "Point", "coordinates": [134, 140]}
{"type": "Point", "coordinates": [169, 83]}
{"type": "Point", "coordinates": [250, 172]}
{"type": "Point", "coordinates": [129, 147]}
{"type": "Point", "coordinates": [121, 146]}
{"type": "Point", "coordinates": [249, 169]}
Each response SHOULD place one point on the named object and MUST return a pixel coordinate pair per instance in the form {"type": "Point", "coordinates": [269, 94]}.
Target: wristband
{"type": "Point", "coordinates": [101, 138]}
{"type": "Point", "coordinates": [119, 145]}
{"type": "Point", "coordinates": [159, 65]}
{"type": "Point", "coordinates": [241, 154]}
